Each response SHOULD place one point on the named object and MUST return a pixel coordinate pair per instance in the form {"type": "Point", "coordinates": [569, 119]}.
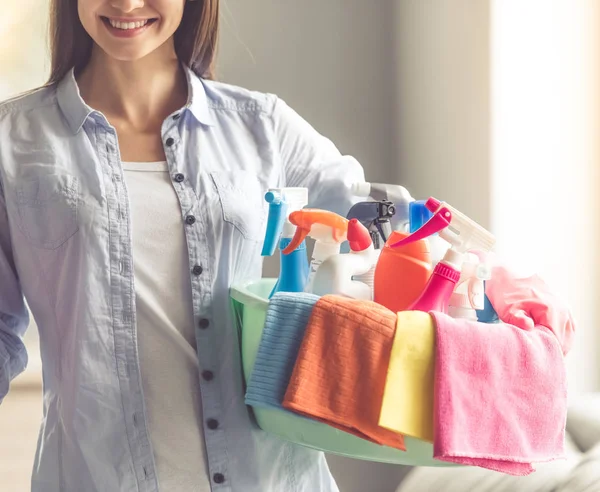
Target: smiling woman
{"type": "Point", "coordinates": [131, 200]}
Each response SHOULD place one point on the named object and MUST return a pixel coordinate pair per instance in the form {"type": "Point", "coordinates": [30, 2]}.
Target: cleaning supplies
{"type": "Point", "coordinates": [336, 274]}
{"type": "Point", "coordinates": [463, 234]}
{"type": "Point", "coordinates": [293, 271]}
{"type": "Point", "coordinates": [419, 214]}
{"type": "Point", "coordinates": [328, 229]}
{"type": "Point", "coordinates": [401, 273]}
{"type": "Point", "coordinates": [396, 194]}
{"type": "Point", "coordinates": [468, 296]}
{"type": "Point", "coordinates": [376, 217]}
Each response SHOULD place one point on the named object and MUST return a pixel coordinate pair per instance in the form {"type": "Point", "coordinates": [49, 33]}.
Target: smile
{"type": "Point", "coordinates": [127, 26]}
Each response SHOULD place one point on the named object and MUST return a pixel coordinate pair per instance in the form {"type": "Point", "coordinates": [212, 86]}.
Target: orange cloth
{"type": "Point", "coordinates": [340, 373]}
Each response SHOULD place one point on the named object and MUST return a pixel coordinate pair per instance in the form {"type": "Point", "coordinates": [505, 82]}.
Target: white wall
{"type": "Point", "coordinates": [443, 102]}
{"type": "Point", "coordinates": [546, 156]}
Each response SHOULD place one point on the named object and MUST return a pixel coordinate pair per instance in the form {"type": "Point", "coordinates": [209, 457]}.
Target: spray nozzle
{"type": "Point", "coordinates": [462, 233]}
{"type": "Point", "coordinates": [440, 220]}
{"type": "Point", "coordinates": [322, 225]}
{"type": "Point", "coordinates": [398, 195]}
{"type": "Point", "coordinates": [282, 202]}
{"type": "Point", "coordinates": [375, 216]}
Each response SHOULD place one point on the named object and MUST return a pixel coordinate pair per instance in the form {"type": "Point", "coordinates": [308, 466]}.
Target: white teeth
{"type": "Point", "coordinates": [128, 25]}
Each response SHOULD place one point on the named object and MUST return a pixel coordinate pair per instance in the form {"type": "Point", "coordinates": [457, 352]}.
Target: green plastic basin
{"type": "Point", "coordinates": [250, 307]}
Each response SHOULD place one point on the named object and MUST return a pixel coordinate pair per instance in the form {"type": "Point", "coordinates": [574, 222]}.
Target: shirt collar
{"type": "Point", "coordinates": [76, 111]}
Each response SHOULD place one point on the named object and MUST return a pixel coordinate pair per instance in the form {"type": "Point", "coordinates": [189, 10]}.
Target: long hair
{"type": "Point", "coordinates": [195, 39]}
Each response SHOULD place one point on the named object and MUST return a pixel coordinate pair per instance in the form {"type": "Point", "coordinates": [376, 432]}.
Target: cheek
{"type": "Point", "coordinates": [172, 12]}
{"type": "Point", "coordinates": [85, 10]}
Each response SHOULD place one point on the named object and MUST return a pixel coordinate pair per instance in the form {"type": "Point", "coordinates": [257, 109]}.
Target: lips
{"type": "Point", "coordinates": [127, 24]}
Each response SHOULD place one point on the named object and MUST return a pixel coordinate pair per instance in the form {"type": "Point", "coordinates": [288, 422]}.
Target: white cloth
{"type": "Point", "coordinates": [165, 329]}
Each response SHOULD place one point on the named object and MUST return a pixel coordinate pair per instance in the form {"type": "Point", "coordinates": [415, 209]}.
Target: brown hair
{"type": "Point", "coordinates": [195, 38]}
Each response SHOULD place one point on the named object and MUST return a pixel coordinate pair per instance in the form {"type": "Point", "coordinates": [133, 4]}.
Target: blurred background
{"type": "Point", "coordinates": [490, 105]}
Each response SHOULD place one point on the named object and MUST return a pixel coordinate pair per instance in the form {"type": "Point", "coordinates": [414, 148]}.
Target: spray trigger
{"type": "Point", "coordinates": [440, 220]}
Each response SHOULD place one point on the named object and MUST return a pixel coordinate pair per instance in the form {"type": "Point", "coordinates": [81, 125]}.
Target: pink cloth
{"type": "Point", "coordinates": [500, 393]}
{"type": "Point", "coordinates": [527, 302]}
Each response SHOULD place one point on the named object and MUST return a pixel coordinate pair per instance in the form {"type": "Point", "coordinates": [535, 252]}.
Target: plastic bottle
{"type": "Point", "coordinates": [419, 215]}
{"type": "Point", "coordinates": [396, 194]}
{"type": "Point", "coordinates": [469, 293]}
{"type": "Point", "coordinates": [293, 271]}
{"type": "Point", "coordinates": [328, 229]}
{"type": "Point", "coordinates": [335, 275]}
{"type": "Point", "coordinates": [401, 273]}
{"type": "Point", "coordinates": [463, 235]}
{"type": "Point", "coordinates": [488, 313]}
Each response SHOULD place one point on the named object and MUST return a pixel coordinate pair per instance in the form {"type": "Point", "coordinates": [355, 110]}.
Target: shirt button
{"type": "Point", "coordinates": [219, 478]}
{"type": "Point", "coordinates": [190, 219]}
{"type": "Point", "coordinates": [212, 424]}
{"type": "Point", "coordinates": [203, 323]}
{"type": "Point", "coordinates": [208, 375]}
{"type": "Point", "coordinates": [169, 142]}
{"type": "Point", "coordinates": [197, 270]}
{"type": "Point", "coordinates": [179, 177]}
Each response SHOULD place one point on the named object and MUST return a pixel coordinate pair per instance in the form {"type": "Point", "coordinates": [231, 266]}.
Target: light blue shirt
{"type": "Point", "coordinates": [65, 245]}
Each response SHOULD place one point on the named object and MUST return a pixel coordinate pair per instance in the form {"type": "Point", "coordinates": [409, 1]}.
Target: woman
{"type": "Point", "coordinates": [131, 199]}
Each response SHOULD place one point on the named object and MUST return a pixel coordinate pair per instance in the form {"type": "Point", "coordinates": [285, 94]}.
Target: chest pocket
{"type": "Point", "coordinates": [47, 209]}
{"type": "Point", "coordinates": [242, 200]}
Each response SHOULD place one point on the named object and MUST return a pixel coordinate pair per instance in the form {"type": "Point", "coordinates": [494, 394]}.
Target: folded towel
{"type": "Point", "coordinates": [287, 317]}
{"type": "Point", "coordinates": [527, 302]}
{"type": "Point", "coordinates": [342, 365]}
{"type": "Point", "coordinates": [408, 398]}
{"type": "Point", "coordinates": [500, 395]}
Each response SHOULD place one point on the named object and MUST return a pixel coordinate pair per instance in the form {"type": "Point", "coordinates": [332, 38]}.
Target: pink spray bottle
{"type": "Point", "coordinates": [464, 235]}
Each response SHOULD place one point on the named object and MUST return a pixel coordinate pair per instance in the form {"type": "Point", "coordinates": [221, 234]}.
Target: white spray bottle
{"type": "Point", "coordinates": [337, 274]}
{"type": "Point", "coordinates": [328, 229]}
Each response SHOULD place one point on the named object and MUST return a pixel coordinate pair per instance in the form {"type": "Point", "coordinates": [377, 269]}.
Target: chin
{"type": "Point", "coordinates": [127, 55]}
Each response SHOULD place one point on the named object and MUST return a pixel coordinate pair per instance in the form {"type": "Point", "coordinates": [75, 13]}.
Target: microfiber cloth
{"type": "Point", "coordinates": [408, 398]}
{"type": "Point", "coordinates": [287, 316]}
{"type": "Point", "coordinates": [527, 302]}
{"type": "Point", "coordinates": [500, 395]}
{"type": "Point", "coordinates": [341, 368]}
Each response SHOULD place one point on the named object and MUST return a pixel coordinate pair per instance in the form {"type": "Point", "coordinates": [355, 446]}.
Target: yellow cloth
{"type": "Point", "coordinates": [408, 397]}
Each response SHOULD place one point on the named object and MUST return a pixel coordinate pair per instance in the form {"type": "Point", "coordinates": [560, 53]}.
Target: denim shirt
{"type": "Point", "coordinates": [65, 246]}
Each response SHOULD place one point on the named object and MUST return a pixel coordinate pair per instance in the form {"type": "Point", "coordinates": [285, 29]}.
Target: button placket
{"type": "Point", "coordinates": [201, 279]}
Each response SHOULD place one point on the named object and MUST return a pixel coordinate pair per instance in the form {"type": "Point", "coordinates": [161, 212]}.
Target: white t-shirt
{"type": "Point", "coordinates": [165, 329]}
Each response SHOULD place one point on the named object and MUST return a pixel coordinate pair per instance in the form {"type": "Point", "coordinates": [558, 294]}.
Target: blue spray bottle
{"type": "Point", "coordinates": [294, 268]}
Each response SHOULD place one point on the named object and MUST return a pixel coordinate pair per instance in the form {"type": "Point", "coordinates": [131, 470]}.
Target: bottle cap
{"type": "Point", "coordinates": [358, 236]}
